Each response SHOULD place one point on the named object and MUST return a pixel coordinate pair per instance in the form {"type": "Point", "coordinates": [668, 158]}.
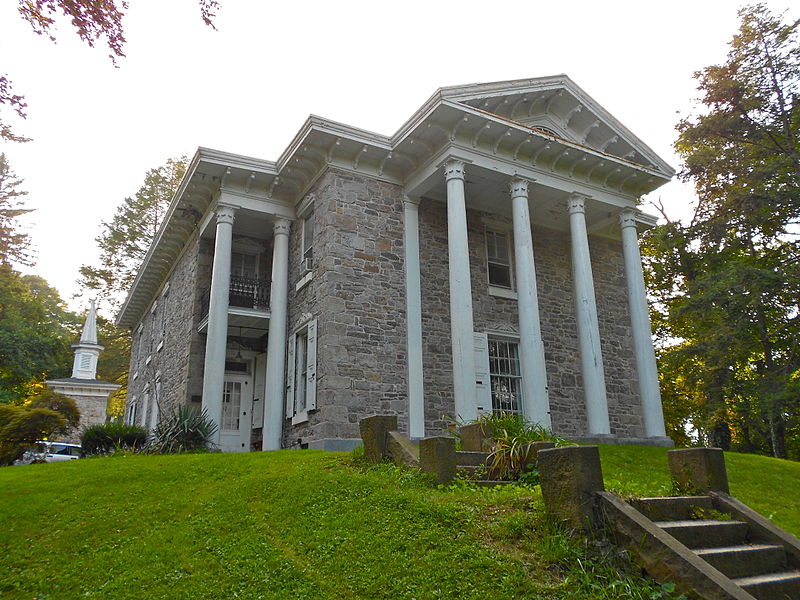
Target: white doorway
{"type": "Point", "coordinates": [237, 403]}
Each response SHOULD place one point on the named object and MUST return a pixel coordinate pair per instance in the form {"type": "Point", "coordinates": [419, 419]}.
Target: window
{"type": "Point", "coordinates": [154, 408]}
{"type": "Point", "coordinates": [244, 265]}
{"type": "Point", "coordinates": [505, 376]}
{"type": "Point", "coordinates": [164, 313]}
{"type": "Point", "coordinates": [498, 259]}
{"type": "Point", "coordinates": [132, 412]}
{"type": "Point", "coordinates": [145, 402]}
{"type": "Point", "coordinates": [301, 375]}
{"type": "Point", "coordinates": [231, 405]}
{"type": "Point", "coordinates": [308, 237]}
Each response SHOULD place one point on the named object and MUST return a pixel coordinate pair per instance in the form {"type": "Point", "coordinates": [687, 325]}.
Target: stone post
{"type": "Point", "coordinates": [531, 348]}
{"type": "Point", "coordinates": [437, 457]}
{"type": "Point", "coordinates": [476, 437]}
{"type": "Point", "coordinates": [416, 398]}
{"type": "Point", "coordinates": [594, 382]}
{"type": "Point", "coordinates": [646, 367]}
{"type": "Point", "coordinates": [217, 338]}
{"type": "Point", "coordinates": [570, 477]}
{"type": "Point", "coordinates": [698, 470]}
{"type": "Point", "coordinates": [275, 387]}
{"type": "Point", "coordinates": [374, 431]}
{"type": "Point", "coordinates": [461, 322]}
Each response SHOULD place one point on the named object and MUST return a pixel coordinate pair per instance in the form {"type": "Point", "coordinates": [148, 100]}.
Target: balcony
{"type": "Point", "coordinates": [244, 293]}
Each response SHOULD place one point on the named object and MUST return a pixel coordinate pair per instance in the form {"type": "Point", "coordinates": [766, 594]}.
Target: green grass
{"type": "Point", "coordinates": [309, 525]}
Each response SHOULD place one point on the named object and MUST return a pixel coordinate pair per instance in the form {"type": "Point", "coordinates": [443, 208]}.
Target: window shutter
{"type": "Point", "coordinates": [290, 367]}
{"type": "Point", "coordinates": [259, 386]}
{"type": "Point", "coordinates": [311, 371]}
{"type": "Point", "coordinates": [483, 387]}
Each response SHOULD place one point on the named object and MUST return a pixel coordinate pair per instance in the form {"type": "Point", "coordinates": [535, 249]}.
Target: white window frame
{"type": "Point", "coordinates": [494, 289]}
{"type": "Point", "coordinates": [512, 341]}
{"type": "Point", "coordinates": [307, 230]}
{"type": "Point", "coordinates": [132, 411]}
{"type": "Point", "coordinates": [145, 402]}
{"type": "Point", "coordinates": [298, 408]}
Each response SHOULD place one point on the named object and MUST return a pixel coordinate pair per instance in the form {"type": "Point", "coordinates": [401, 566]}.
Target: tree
{"type": "Point", "coordinates": [726, 284]}
{"type": "Point", "coordinates": [14, 244]}
{"type": "Point", "coordinates": [46, 414]}
{"type": "Point", "coordinates": [126, 239]}
{"type": "Point", "coordinates": [93, 20]}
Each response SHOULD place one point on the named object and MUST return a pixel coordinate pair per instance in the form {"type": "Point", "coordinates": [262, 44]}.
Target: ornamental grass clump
{"type": "Point", "coordinates": [513, 454]}
{"type": "Point", "coordinates": [185, 430]}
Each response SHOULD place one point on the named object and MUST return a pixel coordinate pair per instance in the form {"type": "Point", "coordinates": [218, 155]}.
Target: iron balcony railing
{"type": "Point", "coordinates": [244, 292]}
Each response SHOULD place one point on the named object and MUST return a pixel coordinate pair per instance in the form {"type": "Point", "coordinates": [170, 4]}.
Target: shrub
{"type": "Point", "coordinates": [512, 456]}
{"type": "Point", "coordinates": [21, 427]}
{"type": "Point", "coordinates": [111, 437]}
{"type": "Point", "coordinates": [185, 430]}
{"type": "Point", "coordinates": [63, 405]}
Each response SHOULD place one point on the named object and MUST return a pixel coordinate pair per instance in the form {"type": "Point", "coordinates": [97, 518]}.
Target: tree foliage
{"type": "Point", "coordinates": [726, 283]}
{"type": "Point", "coordinates": [21, 427]}
{"type": "Point", "coordinates": [125, 239]}
{"type": "Point", "coordinates": [14, 244]}
{"type": "Point", "coordinates": [93, 21]}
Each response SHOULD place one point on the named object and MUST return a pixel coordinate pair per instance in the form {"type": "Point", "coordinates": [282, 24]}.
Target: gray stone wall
{"type": "Point", "coordinates": [556, 304]}
{"type": "Point", "coordinates": [171, 343]}
{"type": "Point", "coordinates": [358, 297]}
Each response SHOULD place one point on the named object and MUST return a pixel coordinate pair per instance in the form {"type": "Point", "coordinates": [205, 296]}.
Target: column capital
{"type": "Point", "coordinates": [281, 227]}
{"type": "Point", "coordinates": [576, 203]}
{"type": "Point", "coordinates": [454, 169]}
{"type": "Point", "coordinates": [518, 186]}
{"type": "Point", "coordinates": [410, 202]}
{"type": "Point", "coordinates": [225, 214]}
{"type": "Point", "coordinates": [627, 218]}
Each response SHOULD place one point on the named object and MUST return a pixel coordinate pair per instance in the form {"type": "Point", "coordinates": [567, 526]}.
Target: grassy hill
{"type": "Point", "coordinates": [311, 525]}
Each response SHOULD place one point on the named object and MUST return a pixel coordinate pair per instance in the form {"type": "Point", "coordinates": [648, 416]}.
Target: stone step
{"type": "Point", "coordinates": [490, 482]}
{"type": "Point", "coordinates": [465, 458]}
{"type": "Point", "coordinates": [745, 561]}
{"type": "Point", "coordinates": [706, 533]}
{"type": "Point", "coordinates": [675, 508]}
{"type": "Point", "coordinates": [784, 585]}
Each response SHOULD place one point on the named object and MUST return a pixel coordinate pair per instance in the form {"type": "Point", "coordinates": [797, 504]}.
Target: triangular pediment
{"type": "Point", "coordinates": [557, 106]}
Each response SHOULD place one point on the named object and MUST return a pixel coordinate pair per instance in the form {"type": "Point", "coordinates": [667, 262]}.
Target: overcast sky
{"type": "Point", "coordinates": [248, 87]}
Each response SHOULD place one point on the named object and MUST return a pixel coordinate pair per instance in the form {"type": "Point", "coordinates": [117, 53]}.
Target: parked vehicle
{"type": "Point", "coordinates": [50, 452]}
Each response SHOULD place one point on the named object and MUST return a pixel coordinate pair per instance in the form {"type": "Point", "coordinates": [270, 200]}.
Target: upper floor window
{"type": "Point", "coordinates": [244, 265]}
{"type": "Point", "coordinates": [308, 237]}
{"type": "Point", "coordinates": [498, 259]}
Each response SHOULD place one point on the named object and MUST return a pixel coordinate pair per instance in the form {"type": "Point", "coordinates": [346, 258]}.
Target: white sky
{"type": "Point", "coordinates": [248, 87]}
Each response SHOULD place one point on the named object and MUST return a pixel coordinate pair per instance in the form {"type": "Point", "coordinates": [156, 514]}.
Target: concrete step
{"type": "Point", "coordinates": [465, 458]}
{"type": "Point", "coordinates": [745, 561]}
{"type": "Point", "coordinates": [706, 533]}
{"type": "Point", "coordinates": [675, 508]}
{"type": "Point", "coordinates": [784, 585]}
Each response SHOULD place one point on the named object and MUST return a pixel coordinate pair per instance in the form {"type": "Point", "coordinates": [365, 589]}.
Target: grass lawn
{"type": "Point", "coordinates": [309, 525]}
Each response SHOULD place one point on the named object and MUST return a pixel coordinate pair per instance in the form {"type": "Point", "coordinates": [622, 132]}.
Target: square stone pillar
{"type": "Point", "coordinates": [698, 470]}
{"type": "Point", "coordinates": [570, 477]}
{"type": "Point", "coordinates": [374, 432]}
{"type": "Point", "coordinates": [437, 457]}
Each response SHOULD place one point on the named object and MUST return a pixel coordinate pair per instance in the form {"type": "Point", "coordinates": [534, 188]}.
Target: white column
{"type": "Point", "coordinates": [461, 324]}
{"type": "Point", "coordinates": [276, 338]}
{"type": "Point", "coordinates": [416, 401]}
{"type": "Point", "coordinates": [531, 348]}
{"type": "Point", "coordinates": [646, 368]}
{"type": "Point", "coordinates": [217, 338]}
{"type": "Point", "coordinates": [594, 383]}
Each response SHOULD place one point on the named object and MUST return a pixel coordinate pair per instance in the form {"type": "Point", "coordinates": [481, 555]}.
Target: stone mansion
{"type": "Point", "coordinates": [483, 258]}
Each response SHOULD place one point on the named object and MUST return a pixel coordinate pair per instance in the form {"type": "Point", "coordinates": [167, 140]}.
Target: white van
{"type": "Point", "coordinates": [50, 452]}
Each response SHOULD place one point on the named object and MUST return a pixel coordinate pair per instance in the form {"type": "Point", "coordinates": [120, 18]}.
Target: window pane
{"type": "Point", "coordinates": [504, 372]}
{"type": "Point", "coordinates": [499, 275]}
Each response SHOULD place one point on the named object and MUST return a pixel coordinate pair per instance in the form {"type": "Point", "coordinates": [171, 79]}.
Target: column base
{"type": "Point", "coordinates": [663, 442]}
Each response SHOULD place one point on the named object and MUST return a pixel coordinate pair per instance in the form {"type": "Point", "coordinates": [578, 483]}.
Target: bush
{"type": "Point", "coordinates": [63, 405]}
{"type": "Point", "coordinates": [111, 437]}
{"type": "Point", "coordinates": [21, 427]}
{"type": "Point", "coordinates": [185, 430]}
{"type": "Point", "coordinates": [512, 456]}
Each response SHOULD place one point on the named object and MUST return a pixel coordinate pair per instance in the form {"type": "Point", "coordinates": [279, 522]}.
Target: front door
{"type": "Point", "coordinates": [237, 402]}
